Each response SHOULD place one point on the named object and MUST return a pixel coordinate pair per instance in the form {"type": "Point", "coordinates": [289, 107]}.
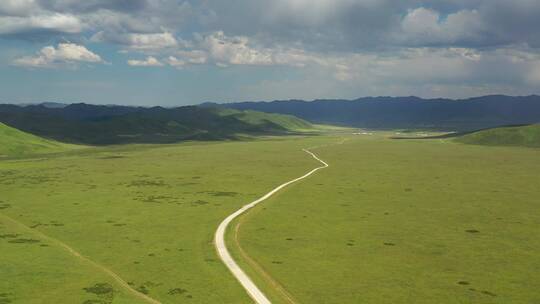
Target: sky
{"type": "Point", "coordinates": [176, 52]}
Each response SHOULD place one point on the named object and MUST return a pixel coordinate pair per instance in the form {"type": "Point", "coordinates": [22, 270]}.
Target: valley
{"type": "Point", "coordinates": [384, 210]}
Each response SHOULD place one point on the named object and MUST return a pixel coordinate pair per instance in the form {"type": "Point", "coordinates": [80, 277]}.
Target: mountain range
{"type": "Point", "coordinates": [407, 112]}
{"type": "Point", "coordinates": [113, 124]}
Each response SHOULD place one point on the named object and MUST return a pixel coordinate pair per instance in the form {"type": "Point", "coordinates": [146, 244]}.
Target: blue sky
{"type": "Point", "coordinates": [175, 52]}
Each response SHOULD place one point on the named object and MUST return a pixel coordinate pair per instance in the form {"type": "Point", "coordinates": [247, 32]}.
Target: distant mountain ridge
{"type": "Point", "coordinates": [97, 124]}
{"type": "Point", "coordinates": [407, 112]}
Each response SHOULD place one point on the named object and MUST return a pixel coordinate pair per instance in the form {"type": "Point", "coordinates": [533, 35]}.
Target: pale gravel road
{"type": "Point", "coordinates": [254, 292]}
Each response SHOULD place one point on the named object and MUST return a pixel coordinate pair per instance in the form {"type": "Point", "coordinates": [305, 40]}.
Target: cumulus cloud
{"type": "Point", "coordinates": [65, 54]}
{"type": "Point", "coordinates": [425, 72]}
{"type": "Point", "coordinates": [234, 50]}
{"type": "Point", "coordinates": [361, 25]}
{"type": "Point", "coordinates": [437, 67]}
{"type": "Point", "coordinates": [148, 62]}
{"type": "Point", "coordinates": [139, 42]}
{"type": "Point", "coordinates": [324, 25]}
{"type": "Point", "coordinates": [193, 56]}
{"type": "Point", "coordinates": [151, 41]}
{"type": "Point", "coordinates": [362, 42]}
{"type": "Point", "coordinates": [424, 27]}
{"type": "Point", "coordinates": [223, 50]}
{"type": "Point", "coordinates": [29, 19]}
{"type": "Point", "coordinates": [175, 62]}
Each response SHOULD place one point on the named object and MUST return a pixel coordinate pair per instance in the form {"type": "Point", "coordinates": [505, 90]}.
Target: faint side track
{"type": "Point", "coordinates": [273, 282]}
{"type": "Point", "coordinates": [219, 240]}
{"type": "Point", "coordinates": [78, 255]}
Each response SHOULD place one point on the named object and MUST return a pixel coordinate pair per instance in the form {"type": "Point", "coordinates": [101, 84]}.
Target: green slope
{"type": "Point", "coordinates": [526, 136]}
{"type": "Point", "coordinates": [14, 142]}
{"type": "Point", "coordinates": [100, 125]}
{"type": "Point", "coordinates": [268, 120]}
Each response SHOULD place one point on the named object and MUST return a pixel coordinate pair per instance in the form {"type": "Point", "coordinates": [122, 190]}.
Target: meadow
{"type": "Point", "coordinates": [390, 221]}
{"type": "Point", "coordinates": [146, 212]}
{"type": "Point", "coordinates": [401, 221]}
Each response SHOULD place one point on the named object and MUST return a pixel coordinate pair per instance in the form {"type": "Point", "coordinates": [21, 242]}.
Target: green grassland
{"type": "Point", "coordinates": [390, 221]}
{"type": "Point", "coordinates": [147, 212]}
{"type": "Point", "coordinates": [527, 136]}
{"type": "Point", "coordinates": [17, 143]}
{"type": "Point", "coordinates": [402, 221]}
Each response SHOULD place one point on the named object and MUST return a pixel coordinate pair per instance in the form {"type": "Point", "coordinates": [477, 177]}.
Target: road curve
{"type": "Point", "coordinates": [219, 240]}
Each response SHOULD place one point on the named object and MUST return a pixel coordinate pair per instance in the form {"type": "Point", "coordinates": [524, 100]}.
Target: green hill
{"type": "Point", "coordinates": [287, 122]}
{"type": "Point", "coordinates": [527, 136]}
{"type": "Point", "coordinates": [104, 125]}
{"type": "Point", "coordinates": [17, 143]}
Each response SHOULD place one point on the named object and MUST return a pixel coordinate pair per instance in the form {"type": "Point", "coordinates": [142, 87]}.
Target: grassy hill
{"type": "Point", "coordinates": [287, 122]}
{"type": "Point", "coordinates": [527, 136]}
{"type": "Point", "coordinates": [15, 143]}
{"type": "Point", "coordinates": [102, 125]}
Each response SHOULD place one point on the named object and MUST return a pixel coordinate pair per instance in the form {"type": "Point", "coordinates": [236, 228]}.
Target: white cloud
{"type": "Point", "coordinates": [226, 51]}
{"type": "Point", "coordinates": [175, 62]}
{"type": "Point", "coordinates": [234, 50]}
{"type": "Point", "coordinates": [148, 62]}
{"type": "Point", "coordinates": [139, 42]}
{"type": "Point", "coordinates": [424, 26]}
{"type": "Point", "coordinates": [373, 46]}
{"type": "Point", "coordinates": [421, 21]}
{"type": "Point", "coordinates": [194, 56]}
{"type": "Point", "coordinates": [51, 22]}
{"type": "Point", "coordinates": [64, 54]}
{"type": "Point", "coordinates": [151, 41]}
{"type": "Point", "coordinates": [425, 72]}
{"type": "Point", "coordinates": [219, 49]}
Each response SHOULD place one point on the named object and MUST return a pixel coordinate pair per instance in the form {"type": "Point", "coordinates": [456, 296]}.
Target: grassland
{"type": "Point", "coordinates": [401, 221]}
{"type": "Point", "coordinates": [17, 143]}
{"type": "Point", "coordinates": [146, 212]}
{"type": "Point", "coordinates": [526, 136]}
{"type": "Point", "coordinates": [390, 221]}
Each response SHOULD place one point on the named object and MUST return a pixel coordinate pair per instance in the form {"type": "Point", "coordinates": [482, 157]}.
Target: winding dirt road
{"type": "Point", "coordinates": [219, 240]}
